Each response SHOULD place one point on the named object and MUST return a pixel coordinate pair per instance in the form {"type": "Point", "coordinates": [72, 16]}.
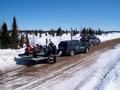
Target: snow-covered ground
{"type": "Point", "coordinates": [103, 75]}
{"type": "Point", "coordinates": [113, 82]}
{"type": "Point", "coordinates": [7, 55]}
{"type": "Point", "coordinates": [104, 70]}
{"type": "Point", "coordinates": [57, 39]}
{"type": "Point", "coordinates": [109, 36]}
{"type": "Point", "coordinates": [7, 58]}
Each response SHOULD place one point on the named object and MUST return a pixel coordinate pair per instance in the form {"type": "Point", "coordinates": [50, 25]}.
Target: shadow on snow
{"type": "Point", "coordinates": [30, 62]}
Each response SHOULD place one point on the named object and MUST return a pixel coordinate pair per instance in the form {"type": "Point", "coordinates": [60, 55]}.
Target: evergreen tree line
{"type": "Point", "coordinates": [14, 38]}
{"type": "Point", "coordinates": [53, 32]}
{"type": "Point", "coordinates": [73, 32]}
{"type": "Point", "coordinates": [89, 31]}
{"type": "Point", "coordinates": [9, 40]}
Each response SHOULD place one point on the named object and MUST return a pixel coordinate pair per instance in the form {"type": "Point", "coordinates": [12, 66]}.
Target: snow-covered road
{"type": "Point", "coordinates": [92, 78]}
{"type": "Point", "coordinates": [79, 72]}
{"type": "Point", "coordinates": [103, 69]}
{"type": "Point", "coordinates": [112, 79]}
{"type": "Point", "coordinates": [96, 70]}
{"type": "Point", "coordinates": [23, 79]}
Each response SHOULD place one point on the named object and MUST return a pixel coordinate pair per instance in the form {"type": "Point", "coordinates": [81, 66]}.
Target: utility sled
{"type": "Point", "coordinates": [39, 57]}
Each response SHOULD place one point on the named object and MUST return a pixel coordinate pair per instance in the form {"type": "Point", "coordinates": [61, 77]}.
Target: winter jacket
{"type": "Point", "coordinates": [29, 49]}
{"type": "Point", "coordinates": [51, 50]}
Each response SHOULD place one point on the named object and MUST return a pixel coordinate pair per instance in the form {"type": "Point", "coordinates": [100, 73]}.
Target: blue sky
{"type": "Point", "coordinates": [46, 14]}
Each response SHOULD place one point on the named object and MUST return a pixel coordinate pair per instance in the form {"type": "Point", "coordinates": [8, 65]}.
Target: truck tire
{"type": "Point", "coordinates": [86, 50]}
{"type": "Point", "coordinates": [72, 53]}
{"type": "Point", "coordinates": [51, 60]}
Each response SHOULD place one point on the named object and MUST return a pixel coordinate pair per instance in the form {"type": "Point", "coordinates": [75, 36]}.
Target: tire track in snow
{"type": "Point", "coordinates": [8, 80]}
{"type": "Point", "coordinates": [105, 78]}
{"type": "Point", "coordinates": [103, 45]}
{"type": "Point", "coordinates": [99, 79]}
{"type": "Point", "coordinates": [59, 73]}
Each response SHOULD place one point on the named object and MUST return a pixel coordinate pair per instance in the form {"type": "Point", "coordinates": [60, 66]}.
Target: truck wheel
{"type": "Point", "coordinates": [72, 52]}
{"type": "Point", "coordinates": [97, 43]}
{"type": "Point", "coordinates": [86, 50]}
{"type": "Point", "coordinates": [51, 60]}
{"type": "Point", "coordinates": [93, 44]}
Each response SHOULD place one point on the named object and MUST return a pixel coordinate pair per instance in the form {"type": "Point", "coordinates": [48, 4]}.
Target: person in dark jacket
{"type": "Point", "coordinates": [52, 50]}
{"type": "Point", "coordinates": [36, 50]}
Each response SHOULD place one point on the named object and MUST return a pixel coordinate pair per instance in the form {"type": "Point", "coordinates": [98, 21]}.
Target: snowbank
{"type": "Point", "coordinates": [109, 36]}
{"type": "Point", "coordinates": [103, 67]}
{"type": "Point", "coordinates": [57, 39]}
{"type": "Point", "coordinates": [7, 58]}
{"type": "Point", "coordinates": [114, 79]}
{"type": "Point", "coordinates": [113, 82]}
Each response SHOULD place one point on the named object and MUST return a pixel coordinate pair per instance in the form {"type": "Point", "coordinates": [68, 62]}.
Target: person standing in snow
{"type": "Point", "coordinates": [36, 49]}
{"type": "Point", "coordinates": [28, 49]}
{"type": "Point", "coordinates": [52, 48]}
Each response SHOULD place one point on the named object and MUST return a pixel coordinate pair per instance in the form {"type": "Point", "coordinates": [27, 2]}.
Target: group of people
{"type": "Point", "coordinates": [34, 50]}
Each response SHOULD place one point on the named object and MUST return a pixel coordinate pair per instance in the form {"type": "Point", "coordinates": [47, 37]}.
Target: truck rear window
{"type": "Point", "coordinates": [63, 44]}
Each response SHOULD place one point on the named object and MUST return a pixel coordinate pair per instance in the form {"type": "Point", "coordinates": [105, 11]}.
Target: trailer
{"type": "Point", "coordinates": [39, 57]}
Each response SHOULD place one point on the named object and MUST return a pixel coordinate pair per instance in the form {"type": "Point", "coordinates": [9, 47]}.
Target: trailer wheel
{"type": "Point", "coordinates": [51, 60]}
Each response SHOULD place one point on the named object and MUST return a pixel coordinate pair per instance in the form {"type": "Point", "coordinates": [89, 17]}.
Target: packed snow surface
{"type": "Point", "coordinates": [103, 75]}
{"type": "Point", "coordinates": [109, 36]}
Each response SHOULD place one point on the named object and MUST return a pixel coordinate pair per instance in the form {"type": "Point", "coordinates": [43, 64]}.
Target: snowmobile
{"type": "Point", "coordinates": [37, 57]}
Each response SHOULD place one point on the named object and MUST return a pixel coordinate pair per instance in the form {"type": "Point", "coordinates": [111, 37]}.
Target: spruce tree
{"type": "Point", "coordinates": [27, 39]}
{"type": "Point", "coordinates": [22, 40]}
{"type": "Point", "coordinates": [45, 33]}
{"type": "Point", "coordinates": [71, 33]}
{"type": "Point", "coordinates": [59, 32]}
{"type": "Point", "coordinates": [63, 31]}
{"type": "Point", "coordinates": [99, 32]}
{"type": "Point", "coordinates": [83, 32]}
{"type": "Point", "coordinates": [66, 32]}
{"type": "Point", "coordinates": [14, 35]}
{"type": "Point", "coordinates": [40, 33]}
{"type": "Point", "coordinates": [36, 33]}
{"type": "Point", "coordinates": [52, 33]}
{"type": "Point", "coordinates": [4, 36]}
